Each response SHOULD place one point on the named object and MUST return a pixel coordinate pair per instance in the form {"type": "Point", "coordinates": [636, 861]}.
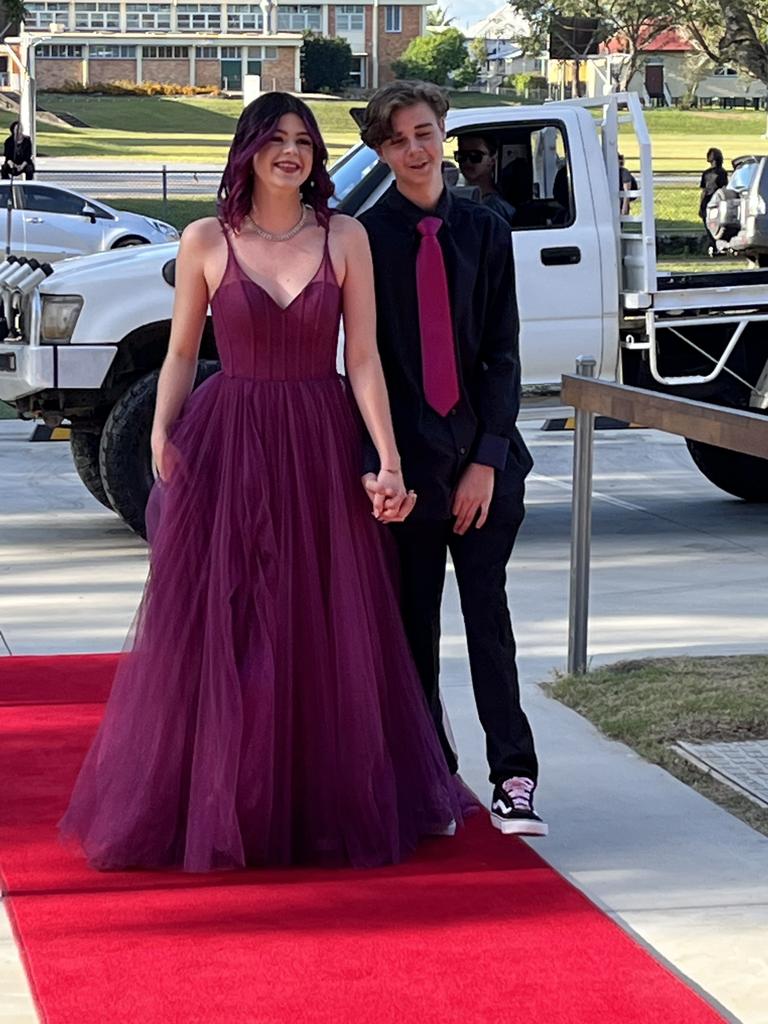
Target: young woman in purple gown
{"type": "Point", "coordinates": [268, 711]}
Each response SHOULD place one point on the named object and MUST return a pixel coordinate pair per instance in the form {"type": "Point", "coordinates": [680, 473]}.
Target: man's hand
{"type": "Point", "coordinates": [472, 496]}
{"type": "Point", "coordinates": [391, 502]}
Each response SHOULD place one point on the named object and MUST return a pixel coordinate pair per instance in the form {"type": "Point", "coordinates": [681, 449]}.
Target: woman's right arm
{"type": "Point", "coordinates": [190, 307]}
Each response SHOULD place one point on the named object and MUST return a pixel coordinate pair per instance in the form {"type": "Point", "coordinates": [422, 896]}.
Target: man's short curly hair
{"type": "Point", "coordinates": [377, 120]}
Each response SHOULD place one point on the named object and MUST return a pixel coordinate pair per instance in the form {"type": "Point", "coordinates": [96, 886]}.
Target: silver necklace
{"type": "Point", "coordinates": [282, 236]}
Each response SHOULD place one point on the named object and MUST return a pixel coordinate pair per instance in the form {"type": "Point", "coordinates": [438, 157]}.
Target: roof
{"type": "Point", "coordinates": [669, 40]}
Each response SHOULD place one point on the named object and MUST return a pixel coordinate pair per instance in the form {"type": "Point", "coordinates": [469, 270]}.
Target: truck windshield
{"type": "Point", "coordinates": [350, 170]}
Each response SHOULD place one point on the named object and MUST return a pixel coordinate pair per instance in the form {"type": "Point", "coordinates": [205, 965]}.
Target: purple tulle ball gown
{"type": "Point", "coordinates": [267, 711]}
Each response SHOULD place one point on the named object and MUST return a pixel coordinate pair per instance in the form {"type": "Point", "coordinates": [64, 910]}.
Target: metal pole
{"type": "Point", "coordinates": [165, 190]}
{"type": "Point", "coordinates": [9, 220]}
{"type": "Point", "coordinates": [581, 529]}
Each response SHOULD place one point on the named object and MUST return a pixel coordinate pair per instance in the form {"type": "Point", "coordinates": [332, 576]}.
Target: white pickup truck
{"type": "Point", "coordinates": [85, 343]}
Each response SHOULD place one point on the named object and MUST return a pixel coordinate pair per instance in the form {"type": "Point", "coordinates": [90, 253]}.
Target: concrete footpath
{"type": "Point", "coordinates": [678, 568]}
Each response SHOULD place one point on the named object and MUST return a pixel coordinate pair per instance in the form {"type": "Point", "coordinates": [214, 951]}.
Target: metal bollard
{"type": "Point", "coordinates": [581, 529]}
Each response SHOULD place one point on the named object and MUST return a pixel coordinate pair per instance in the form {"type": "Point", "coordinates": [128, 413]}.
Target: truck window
{"type": "Point", "coordinates": [535, 178]}
{"type": "Point", "coordinates": [531, 173]}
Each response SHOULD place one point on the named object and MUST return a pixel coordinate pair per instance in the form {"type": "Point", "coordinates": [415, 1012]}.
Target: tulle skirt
{"type": "Point", "coordinates": [267, 710]}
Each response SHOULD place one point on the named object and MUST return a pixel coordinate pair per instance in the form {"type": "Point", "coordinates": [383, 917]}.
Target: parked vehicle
{"type": "Point", "coordinates": [587, 284]}
{"type": "Point", "coordinates": [49, 223]}
{"type": "Point", "coordinates": [737, 215]}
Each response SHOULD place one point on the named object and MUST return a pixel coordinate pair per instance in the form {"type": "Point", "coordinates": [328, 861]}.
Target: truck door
{"type": "Point", "coordinates": [557, 254]}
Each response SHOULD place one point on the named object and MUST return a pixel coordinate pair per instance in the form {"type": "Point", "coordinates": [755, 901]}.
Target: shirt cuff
{"type": "Point", "coordinates": [492, 450]}
{"type": "Point", "coordinates": [371, 462]}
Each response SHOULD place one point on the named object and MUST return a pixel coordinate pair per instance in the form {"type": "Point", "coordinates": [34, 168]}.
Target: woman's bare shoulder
{"type": "Point", "coordinates": [207, 229]}
{"type": "Point", "coordinates": [347, 230]}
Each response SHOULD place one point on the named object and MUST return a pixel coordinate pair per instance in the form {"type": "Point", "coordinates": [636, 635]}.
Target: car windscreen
{"type": "Point", "coordinates": [351, 170]}
{"type": "Point", "coordinates": [743, 177]}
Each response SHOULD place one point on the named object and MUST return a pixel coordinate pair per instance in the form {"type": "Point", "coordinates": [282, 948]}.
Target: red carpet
{"type": "Point", "coordinates": [473, 929]}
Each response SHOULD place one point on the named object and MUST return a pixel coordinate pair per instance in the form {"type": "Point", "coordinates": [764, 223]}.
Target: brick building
{"type": "Point", "coordinates": [210, 43]}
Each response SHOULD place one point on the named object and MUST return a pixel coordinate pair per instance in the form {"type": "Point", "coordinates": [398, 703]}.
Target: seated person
{"type": "Point", "coordinates": [476, 157]}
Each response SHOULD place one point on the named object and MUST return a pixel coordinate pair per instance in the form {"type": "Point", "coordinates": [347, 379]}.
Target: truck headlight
{"type": "Point", "coordinates": [58, 318]}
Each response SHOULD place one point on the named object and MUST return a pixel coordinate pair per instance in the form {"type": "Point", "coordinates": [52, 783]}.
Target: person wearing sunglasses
{"type": "Point", "coordinates": [476, 157]}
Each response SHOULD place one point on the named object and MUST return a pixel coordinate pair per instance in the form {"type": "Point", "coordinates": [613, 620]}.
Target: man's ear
{"type": "Point", "coordinates": [441, 126]}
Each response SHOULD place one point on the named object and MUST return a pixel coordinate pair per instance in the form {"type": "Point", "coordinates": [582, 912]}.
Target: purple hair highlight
{"type": "Point", "coordinates": [254, 129]}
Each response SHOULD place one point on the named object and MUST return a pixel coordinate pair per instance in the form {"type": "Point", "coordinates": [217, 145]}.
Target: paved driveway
{"type": "Point", "coordinates": [678, 568]}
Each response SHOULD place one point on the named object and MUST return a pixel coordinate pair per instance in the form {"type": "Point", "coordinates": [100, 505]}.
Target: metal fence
{"type": "Point", "coordinates": [676, 193]}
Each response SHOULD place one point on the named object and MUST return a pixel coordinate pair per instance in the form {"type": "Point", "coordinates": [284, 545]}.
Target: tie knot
{"type": "Point", "coordinates": [429, 225]}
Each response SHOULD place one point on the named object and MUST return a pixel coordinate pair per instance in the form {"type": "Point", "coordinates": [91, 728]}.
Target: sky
{"type": "Point", "coordinates": [467, 12]}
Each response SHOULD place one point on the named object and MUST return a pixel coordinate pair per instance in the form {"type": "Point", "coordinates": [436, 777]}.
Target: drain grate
{"type": "Point", "coordinates": [742, 765]}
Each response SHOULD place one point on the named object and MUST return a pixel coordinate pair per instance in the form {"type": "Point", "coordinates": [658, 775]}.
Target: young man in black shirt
{"type": "Point", "coordinates": [448, 339]}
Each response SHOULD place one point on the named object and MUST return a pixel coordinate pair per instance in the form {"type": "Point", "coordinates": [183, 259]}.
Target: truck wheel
{"type": "Point", "coordinates": [744, 476]}
{"type": "Point", "coordinates": [84, 445]}
{"type": "Point", "coordinates": [125, 457]}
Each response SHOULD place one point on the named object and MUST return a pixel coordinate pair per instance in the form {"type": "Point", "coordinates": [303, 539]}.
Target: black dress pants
{"type": "Point", "coordinates": [480, 560]}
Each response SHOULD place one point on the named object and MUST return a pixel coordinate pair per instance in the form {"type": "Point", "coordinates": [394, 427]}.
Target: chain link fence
{"type": "Point", "coordinates": [181, 194]}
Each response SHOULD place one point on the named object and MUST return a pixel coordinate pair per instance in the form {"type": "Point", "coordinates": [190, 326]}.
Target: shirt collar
{"type": "Point", "coordinates": [413, 213]}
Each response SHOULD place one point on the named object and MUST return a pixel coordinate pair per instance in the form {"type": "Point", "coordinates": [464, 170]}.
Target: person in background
{"type": "Point", "coordinates": [627, 183]}
{"type": "Point", "coordinates": [476, 157]}
{"type": "Point", "coordinates": [713, 178]}
{"type": "Point", "coordinates": [17, 151]}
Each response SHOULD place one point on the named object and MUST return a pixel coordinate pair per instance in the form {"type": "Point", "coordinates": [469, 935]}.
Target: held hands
{"type": "Point", "coordinates": [472, 496]}
{"type": "Point", "coordinates": [391, 502]}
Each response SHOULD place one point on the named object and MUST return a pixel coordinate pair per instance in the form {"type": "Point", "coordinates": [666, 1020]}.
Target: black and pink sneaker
{"type": "Point", "coordinates": [512, 808]}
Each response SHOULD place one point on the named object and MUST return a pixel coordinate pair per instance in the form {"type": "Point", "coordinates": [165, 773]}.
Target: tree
{"type": "Point", "coordinates": [467, 74]}
{"type": "Point", "coordinates": [11, 13]}
{"type": "Point", "coordinates": [326, 63]}
{"type": "Point", "coordinates": [432, 58]}
{"type": "Point", "coordinates": [437, 17]}
{"type": "Point", "coordinates": [635, 22]}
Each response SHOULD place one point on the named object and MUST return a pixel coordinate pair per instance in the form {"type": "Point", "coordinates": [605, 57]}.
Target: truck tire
{"type": "Point", "coordinates": [744, 476]}
{"type": "Point", "coordinates": [84, 445]}
{"type": "Point", "coordinates": [125, 457]}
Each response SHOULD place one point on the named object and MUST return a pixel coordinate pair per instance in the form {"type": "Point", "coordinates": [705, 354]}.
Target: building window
{"type": "Point", "coordinates": [116, 52]}
{"type": "Point", "coordinates": [98, 16]}
{"type": "Point", "coordinates": [60, 51]}
{"type": "Point", "coordinates": [725, 72]}
{"type": "Point", "coordinates": [148, 17]}
{"type": "Point", "coordinates": [350, 18]}
{"type": "Point", "coordinates": [166, 52]}
{"type": "Point", "coordinates": [393, 18]}
{"type": "Point", "coordinates": [43, 15]}
{"type": "Point", "coordinates": [230, 53]}
{"type": "Point", "coordinates": [244, 18]}
{"type": "Point", "coordinates": [270, 53]}
{"type": "Point", "coordinates": [207, 53]}
{"type": "Point", "coordinates": [198, 17]}
{"type": "Point", "coordinates": [299, 19]}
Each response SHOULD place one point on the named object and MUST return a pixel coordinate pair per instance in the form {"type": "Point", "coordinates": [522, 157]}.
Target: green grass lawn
{"type": "Point", "coordinates": [199, 129]}
{"type": "Point", "coordinates": [649, 705]}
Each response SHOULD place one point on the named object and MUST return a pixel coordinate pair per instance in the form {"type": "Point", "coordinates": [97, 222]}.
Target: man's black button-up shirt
{"type": "Point", "coordinates": [477, 250]}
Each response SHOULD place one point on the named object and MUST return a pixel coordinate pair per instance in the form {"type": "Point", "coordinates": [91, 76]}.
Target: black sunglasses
{"type": "Point", "coordinates": [474, 156]}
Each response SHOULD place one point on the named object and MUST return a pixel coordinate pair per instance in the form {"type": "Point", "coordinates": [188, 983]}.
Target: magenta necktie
{"type": "Point", "coordinates": [438, 352]}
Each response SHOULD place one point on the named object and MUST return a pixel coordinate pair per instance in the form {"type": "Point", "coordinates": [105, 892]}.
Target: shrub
{"type": "Point", "coordinates": [126, 88]}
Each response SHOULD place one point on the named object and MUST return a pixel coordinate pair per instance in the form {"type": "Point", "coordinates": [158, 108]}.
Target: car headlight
{"type": "Point", "coordinates": [168, 230]}
{"type": "Point", "coordinates": [58, 318]}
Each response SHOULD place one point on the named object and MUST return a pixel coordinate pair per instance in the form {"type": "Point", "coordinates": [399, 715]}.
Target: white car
{"type": "Point", "coordinates": [49, 223]}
